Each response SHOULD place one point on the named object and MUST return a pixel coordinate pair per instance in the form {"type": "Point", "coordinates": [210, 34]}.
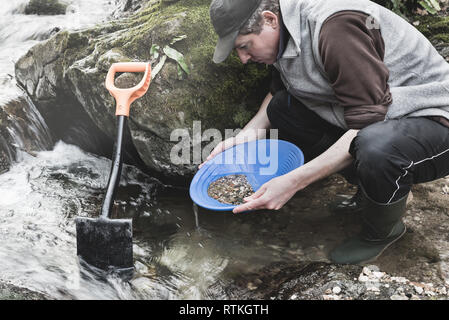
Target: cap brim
{"type": "Point", "coordinates": [225, 46]}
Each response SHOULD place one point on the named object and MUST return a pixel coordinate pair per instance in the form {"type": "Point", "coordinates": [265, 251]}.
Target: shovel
{"type": "Point", "coordinates": [103, 242]}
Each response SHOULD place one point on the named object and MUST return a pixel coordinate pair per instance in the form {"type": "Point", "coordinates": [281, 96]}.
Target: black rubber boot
{"type": "Point", "coordinates": [382, 226]}
{"type": "Point", "coordinates": [346, 204]}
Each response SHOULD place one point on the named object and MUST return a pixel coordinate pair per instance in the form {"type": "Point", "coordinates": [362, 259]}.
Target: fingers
{"type": "Point", "coordinates": [222, 146]}
{"type": "Point", "coordinates": [219, 148]}
{"type": "Point", "coordinates": [256, 195]}
{"type": "Point", "coordinates": [249, 206]}
{"type": "Point", "coordinates": [214, 153]}
{"type": "Point", "coordinates": [254, 202]}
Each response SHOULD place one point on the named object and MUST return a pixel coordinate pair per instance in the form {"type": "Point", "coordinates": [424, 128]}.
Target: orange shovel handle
{"type": "Point", "coordinates": [124, 97]}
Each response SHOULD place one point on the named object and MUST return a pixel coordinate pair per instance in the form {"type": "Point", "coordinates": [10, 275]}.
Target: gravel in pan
{"type": "Point", "coordinates": [230, 189]}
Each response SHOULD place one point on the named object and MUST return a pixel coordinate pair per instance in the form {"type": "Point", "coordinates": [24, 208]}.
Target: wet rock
{"type": "Point", "coordinates": [45, 7]}
{"type": "Point", "coordinates": [12, 292]}
{"type": "Point", "coordinates": [140, 267]}
{"type": "Point", "coordinates": [21, 129]}
{"type": "Point", "coordinates": [4, 162]}
{"type": "Point", "coordinates": [332, 282]}
{"type": "Point", "coordinates": [148, 288]}
{"type": "Point", "coordinates": [132, 5]}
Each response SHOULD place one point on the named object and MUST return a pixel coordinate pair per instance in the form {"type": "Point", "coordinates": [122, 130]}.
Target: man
{"type": "Point", "coordinates": [362, 92]}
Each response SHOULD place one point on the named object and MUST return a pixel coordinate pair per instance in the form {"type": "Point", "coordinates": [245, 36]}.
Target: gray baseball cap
{"type": "Point", "coordinates": [227, 17]}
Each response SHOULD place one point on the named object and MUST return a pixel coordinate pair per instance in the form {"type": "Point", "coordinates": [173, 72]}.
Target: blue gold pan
{"type": "Point", "coordinates": [259, 160]}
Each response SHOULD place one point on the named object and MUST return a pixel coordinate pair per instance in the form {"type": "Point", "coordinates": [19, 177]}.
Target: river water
{"type": "Point", "coordinates": [19, 32]}
{"type": "Point", "coordinates": [180, 252]}
{"type": "Point", "coordinates": [178, 255]}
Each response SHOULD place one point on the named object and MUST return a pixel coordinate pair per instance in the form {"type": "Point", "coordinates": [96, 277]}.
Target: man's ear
{"type": "Point", "coordinates": [270, 19]}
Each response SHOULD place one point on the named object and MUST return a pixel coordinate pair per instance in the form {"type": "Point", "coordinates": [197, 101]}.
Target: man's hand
{"type": "Point", "coordinates": [271, 195]}
{"type": "Point", "coordinates": [242, 137]}
{"type": "Point", "coordinates": [222, 146]}
{"type": "Point", "coordinates": [276, 192]}
{"type": "Point", "coordinates": [248, 133]}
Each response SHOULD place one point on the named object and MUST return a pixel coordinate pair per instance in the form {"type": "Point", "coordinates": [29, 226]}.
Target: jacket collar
{"type": "Point", "coordinates": [292, 21]}
{"type": "Point", "coordinates": [283, 38]}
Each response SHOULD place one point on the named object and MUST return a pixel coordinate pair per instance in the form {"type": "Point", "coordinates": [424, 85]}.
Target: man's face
{"type": "Point", "coordinates": [262, 47]}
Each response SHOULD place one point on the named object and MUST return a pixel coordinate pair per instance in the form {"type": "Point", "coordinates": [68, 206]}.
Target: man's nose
{"type": "Point", "coordinates": [244, 56]}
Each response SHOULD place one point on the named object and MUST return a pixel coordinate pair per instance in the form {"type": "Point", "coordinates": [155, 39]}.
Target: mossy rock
{"type": "Point", "coordinates": [73, 66]}
{"type": "Point", "coordinates": [45, 7]}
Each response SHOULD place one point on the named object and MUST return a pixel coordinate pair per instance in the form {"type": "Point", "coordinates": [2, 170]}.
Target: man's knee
{"type": "Point", "coordinates": [373, 150]}
{"type": "Point", "coordinates": [373, 143]}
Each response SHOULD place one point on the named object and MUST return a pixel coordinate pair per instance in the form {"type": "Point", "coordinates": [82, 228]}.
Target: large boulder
{"type": "Point", "coordinates": [65, 78]}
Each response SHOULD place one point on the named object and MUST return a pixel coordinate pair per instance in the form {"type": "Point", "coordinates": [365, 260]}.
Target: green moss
{"type": "Point", "coordinates": [223, 92]}
{"type": "Point", "coordinates": [435, 28]}
{"type": "Point", "coordinates": [76, 40]}
{"type": "Point", "coordinates": [222, 96]}
{"type": "Point", "coordinates": [441, 37]}
{"type": "Point", "coordinates": [242, 117]}
{"type": "Point", "coordinates": [404, 8]}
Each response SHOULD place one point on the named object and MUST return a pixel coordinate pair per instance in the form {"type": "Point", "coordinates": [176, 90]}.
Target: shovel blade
{"type": "Point", "coordinates": [105, 243]}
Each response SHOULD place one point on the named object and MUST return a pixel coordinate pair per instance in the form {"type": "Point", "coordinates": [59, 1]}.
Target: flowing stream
{"type": "Point", "coordinates": [180, 252]}
{"type": "Point", "coordinates": [176, 257]}
{"type": "Point", "coordinates": [19, 32]}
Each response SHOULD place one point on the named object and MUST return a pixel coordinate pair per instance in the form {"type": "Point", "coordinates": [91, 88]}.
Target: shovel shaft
{"type": "Point", "coordinates": [105, 242]}
{"type": "Point", "coordinates": [116, 169]}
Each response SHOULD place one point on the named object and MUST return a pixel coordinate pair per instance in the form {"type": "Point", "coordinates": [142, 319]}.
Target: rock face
{"type": "Point", "coordinates": [65, 75]}
{"type": "Point", "coordinates": [21, 127]}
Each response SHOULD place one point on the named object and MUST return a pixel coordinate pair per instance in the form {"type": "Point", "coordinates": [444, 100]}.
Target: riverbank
{"type": "Point", "coordinates": [415, 267]}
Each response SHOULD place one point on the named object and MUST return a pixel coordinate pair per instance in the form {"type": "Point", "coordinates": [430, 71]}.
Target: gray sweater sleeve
{"type": "Point", "coordinates": [353, 55]}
